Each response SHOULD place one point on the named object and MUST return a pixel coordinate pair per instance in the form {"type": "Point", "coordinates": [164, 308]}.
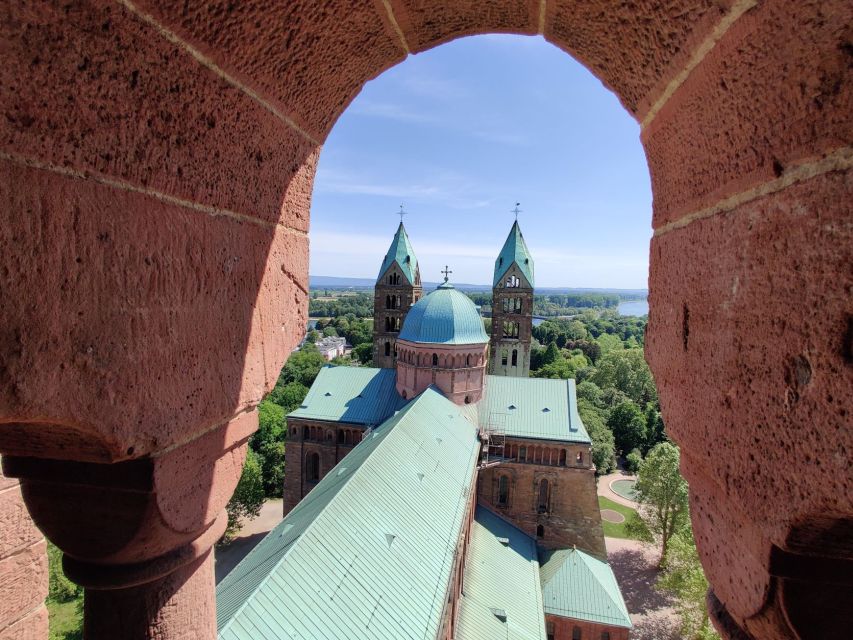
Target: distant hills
{"type": "Point", "coordinates": [336, 282]}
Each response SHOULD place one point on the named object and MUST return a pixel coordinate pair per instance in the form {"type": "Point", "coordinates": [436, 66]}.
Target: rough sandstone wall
{"type": "Point", "coordinates": [23, 567]}
{"type": "Point", "coordinates": [573, 518]}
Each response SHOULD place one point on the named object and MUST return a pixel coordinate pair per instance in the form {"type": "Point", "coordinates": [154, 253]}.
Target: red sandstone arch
{"type": "Point", "coordinates": [157, 164]}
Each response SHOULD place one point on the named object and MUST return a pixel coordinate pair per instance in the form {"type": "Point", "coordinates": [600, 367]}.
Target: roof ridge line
{"type": "Point", "coordinates": [584, 557]}
{"type": "Point", "coordinates": [275, 567]}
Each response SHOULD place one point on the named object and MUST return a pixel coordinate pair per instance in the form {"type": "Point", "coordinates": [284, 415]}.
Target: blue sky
{"type": "Point", "coordinates": [462, 132]}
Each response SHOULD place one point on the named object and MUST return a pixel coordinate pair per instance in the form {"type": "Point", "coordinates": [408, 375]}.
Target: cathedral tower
{"type": "Point", "coordinates": [397, 288]}
{"type": "Point", "coordinates": [512, 308]}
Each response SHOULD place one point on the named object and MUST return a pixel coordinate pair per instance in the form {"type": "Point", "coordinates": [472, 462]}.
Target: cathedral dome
{"type": "Point", "coordinates": [445, 316]}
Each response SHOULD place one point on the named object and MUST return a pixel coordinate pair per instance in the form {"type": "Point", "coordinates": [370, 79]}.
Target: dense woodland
{"type": "Point", "coordinates": [332, 304]}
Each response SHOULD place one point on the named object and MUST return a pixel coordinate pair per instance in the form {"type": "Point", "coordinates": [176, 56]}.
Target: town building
{"type": "Point", "coordinates": [331, 347]}
{"type": "Point", "coordinates": [432, 500]}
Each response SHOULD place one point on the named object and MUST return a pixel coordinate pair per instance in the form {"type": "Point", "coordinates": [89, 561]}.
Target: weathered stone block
{"type": "Point", "coordinates": [635, 48]}
{"type": "Point", "coordinates": [759, 102]}
{"type": "Point", "coordinates": [307, 58]}
{"type": "Point", "coordinates": [24, 584]}
{"type": "Point", "coordinates": [16, 528]}
{"type": "Point", "coordinates": [153, 332]}
{"type": "Point", "coordinates": [33, 626]}
{"type": "Point", "coordinates": [750, 341]}
{"type": "Point", "coordinates": [428, 23]}
{"type": "Point", "coordinates": [125, 102]}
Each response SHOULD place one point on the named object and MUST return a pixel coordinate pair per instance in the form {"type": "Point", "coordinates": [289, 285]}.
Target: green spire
{"type": "Point", "coordinates": [402, 253]}
{"type": "Point", "coordinates": [514, 252]}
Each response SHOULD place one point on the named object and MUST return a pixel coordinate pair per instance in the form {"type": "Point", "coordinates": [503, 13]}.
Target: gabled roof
{"type": "Point", "coordinates": [514, 252]}
{"type": "Point", "coordinates": [368, 553]}
{"type": "Point", "coordinates": [501, 576]}
{"type": "Point", "coordinates": [357, 395]}
{"type": "Point", "coordinates": [532, 408]}
{"type": "Point", "coordinates": [402, 253]}
{"type": "Point", "coordinates": [444, 316]}
{"type": "Point", "coordinates": [576, 585]}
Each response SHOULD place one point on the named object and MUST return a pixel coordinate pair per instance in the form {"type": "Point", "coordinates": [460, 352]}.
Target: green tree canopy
{"type": "Point", "coordinates": [628, 425]}
{"type": "Point", "coordinates": [288, 396]}
{"type": "Point", "coordinates": [248, 497]}
{"type": "Point", "coordinates": [363, 353]}
{"type": "Point", "coordinates": [302, 366]}
{"type": "Point", "coordinates": [603, 445]}
{"type": "Point", "coordinates": [627, 371]}
{"type": "Point", "coordinates": [591, 392]}
{"type": "Point", "coordinates": [662, 494]}
{"type": "Point", "coordinates": [684, 578]}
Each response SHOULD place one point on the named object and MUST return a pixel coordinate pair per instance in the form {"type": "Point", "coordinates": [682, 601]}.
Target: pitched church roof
{"type": "Point", "coordinates": [444, 316]}
{"type": "Point", "coordinates": [402, 253]}
{"type": "Point", "coordinates": [502, 596]}
{"type": "Point", "coordinates": [514, 251]}
{"type": "Point", "coordinates": [577, 585]}
{"type": "Point", "coordinates": [532, 408]}
{"type": "Point", "coordinates": [358, 395]}
{"type": "Point", "coordinates": [369, 552]}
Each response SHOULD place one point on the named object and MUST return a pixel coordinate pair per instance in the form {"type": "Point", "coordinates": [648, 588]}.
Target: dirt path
{"type": "Point", "coordinates": [651, 610]}
{"type": "Point", "coordinates": [252, 533]}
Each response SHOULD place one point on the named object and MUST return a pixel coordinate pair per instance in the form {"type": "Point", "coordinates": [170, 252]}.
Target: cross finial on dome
{"type": "Point", "coordinates": [446, 271]}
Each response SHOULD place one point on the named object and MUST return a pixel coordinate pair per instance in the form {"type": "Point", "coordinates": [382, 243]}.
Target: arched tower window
{"type": "Point", "coordinates": [435, 359]}
{"type": "Point", "coordinates": [387, 348]}
{"type": "Point", "coordinates": [540, 531]}
{"type": "Point", "coordinates": [312, 467]}
{"type": "Point", "coordinates": [579, 457]}
{"type": "Point", "coordinates": [504, 356]}
{"type": "Point", "coordinates": [542, 502]}
{"type": "Point", "coordinates": [576, 633]}
{"type": "Point", "coordinates": [515, 357]}
{"type": "Point", "coordinates": [503, 491]}
{"type": "Point", "coordinates": [468, 360]}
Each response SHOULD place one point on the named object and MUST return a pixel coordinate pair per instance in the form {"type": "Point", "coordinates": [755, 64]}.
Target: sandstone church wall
{"type": "Point", "coordinates": [572, 516]}
{"type": "Point", "coordinates": [331, 441]}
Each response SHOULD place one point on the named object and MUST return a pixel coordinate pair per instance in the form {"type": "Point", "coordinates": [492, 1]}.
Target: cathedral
{"type": "Point", "coordinates": [443, 494]}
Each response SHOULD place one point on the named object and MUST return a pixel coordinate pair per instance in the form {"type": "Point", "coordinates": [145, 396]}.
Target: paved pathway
{"type": "Point", "coordinates": [253, 531]}
{"type": "Point", "coordinates": [651, 610]}
{"type": "Point", "coordinates": [605, 490]}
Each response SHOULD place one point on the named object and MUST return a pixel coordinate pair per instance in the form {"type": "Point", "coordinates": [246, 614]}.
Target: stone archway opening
{"type": "Point", "coordinates": [157, 163]}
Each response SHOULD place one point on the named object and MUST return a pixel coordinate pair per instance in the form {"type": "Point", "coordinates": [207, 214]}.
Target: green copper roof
{"type": "Point", "coordinates": [358, 395]}
{"type": "Point", "coordinates": [532, 408]}
{"type": "Point", "coordinates": [501, 575]}
{"type": "Point", "coordinates": [368, 553]}
{"type": "Point", "coordinates": [444, 316]}
{"type": "Point", "coordinates": [576, 585]}
{"type": "Point", "coordinates": [514, 251]}
{"type": "Point", "coordinates": [402, 253]}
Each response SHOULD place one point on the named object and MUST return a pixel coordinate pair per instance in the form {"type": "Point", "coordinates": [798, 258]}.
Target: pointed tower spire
{"type": "Point", "coordinates": [512, 307]}
{"type": "Point", "coordinates": [515, 252]}
{"type": "Point", "coordinates": [397, 288]}
{"type": "Point", "coordinates": [402, 254]}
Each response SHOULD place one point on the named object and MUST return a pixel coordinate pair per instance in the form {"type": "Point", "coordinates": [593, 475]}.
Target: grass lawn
{"type": "Point", "coordinates": [66, 620]}
{"type": "Point", "coordinates": [611, 529]}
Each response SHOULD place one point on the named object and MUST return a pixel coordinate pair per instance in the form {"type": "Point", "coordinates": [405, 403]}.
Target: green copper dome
{"type": "Point", "coordinates": [445, 316]}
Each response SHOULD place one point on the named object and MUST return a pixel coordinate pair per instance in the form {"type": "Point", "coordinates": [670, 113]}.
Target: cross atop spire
{"type": "Point", "coordinates": [516, 211]}
{"type": "Point", "coordinates": [402, 213]}
{"type": "Point", "coordinates": [446, 271]}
